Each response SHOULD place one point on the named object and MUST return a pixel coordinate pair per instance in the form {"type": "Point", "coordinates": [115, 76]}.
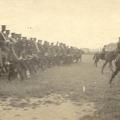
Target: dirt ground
{"type": "Point", "coordinates": [74, 92]}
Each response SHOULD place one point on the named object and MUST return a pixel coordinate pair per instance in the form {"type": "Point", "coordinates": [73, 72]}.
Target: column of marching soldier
{"type": "Point", "coordinates": [22, 57]}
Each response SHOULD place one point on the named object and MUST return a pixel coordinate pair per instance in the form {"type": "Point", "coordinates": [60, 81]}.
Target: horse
{"type": "Point", "coordinates": [108, 57]}
{"type": "Point", "coordinates": [117, 70]}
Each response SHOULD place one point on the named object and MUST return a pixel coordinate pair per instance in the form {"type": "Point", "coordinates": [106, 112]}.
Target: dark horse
{"type": "Point", "coordinates": [108, 57]}
{"type": "Point", "coordinates": [117, 69]}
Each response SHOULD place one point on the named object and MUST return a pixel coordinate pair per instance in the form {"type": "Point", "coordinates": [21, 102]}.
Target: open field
{"type": "Point", "coordinates": [75, 92]}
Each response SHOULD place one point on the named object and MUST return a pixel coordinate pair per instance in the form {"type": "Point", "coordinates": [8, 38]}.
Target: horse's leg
{"type": "Point", "coordinates": [111, 66]}
{"type": "Point", "coordinates": [81, 58]}
{"type": "Point", "coordinates": [96, 62]}
{"type": "Point", "coordinates": [93, 57]}
{"type": "Point", "coordinates": [103, 67]}
{"type": "Point", "coordinates": [113, 75]}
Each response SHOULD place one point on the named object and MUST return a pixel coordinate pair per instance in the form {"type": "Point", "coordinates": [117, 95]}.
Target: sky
{"type": "Point", "coordinates": [79, 23]}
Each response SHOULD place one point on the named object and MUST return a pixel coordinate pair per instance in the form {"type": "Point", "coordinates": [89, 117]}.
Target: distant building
{"type": "Point", "coordinates": [90, 51]}
{"type": "Point", "coordinates": [95, 50]}
{"type": "Point", "coordinates": [85, 50]}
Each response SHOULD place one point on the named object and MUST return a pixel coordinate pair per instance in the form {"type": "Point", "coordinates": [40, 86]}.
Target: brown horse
{"type": "Point", "coordinates": [108, 57]}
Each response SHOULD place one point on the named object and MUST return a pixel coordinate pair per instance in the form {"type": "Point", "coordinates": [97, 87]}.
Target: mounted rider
{"type": "Point", "coordinates": [118, 46]}
{"type": "Point", "coordinates": [103, 51]}
{"type": "Point", "coordinates": [118, 49]}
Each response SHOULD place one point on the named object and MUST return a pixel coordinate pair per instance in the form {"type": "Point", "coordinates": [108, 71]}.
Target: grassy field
{"type": "Point", "coordinates": [78, 83]}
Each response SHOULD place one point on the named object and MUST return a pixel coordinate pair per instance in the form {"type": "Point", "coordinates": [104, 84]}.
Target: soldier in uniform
{"type": "Point", "coordinates": [39, 44]}
{"type": "Point", "coordinates": [7, 37]}
{"type": "Point", "coordinates": [118, 46]}
{"type": "Point", "coordinates": [13, 37]}
{"type": "Point", "coordinates": [7, 33]}
{"type": "Point", "coordinates": [3, 28]}
{"type": "Point", "coordinates": [103, 51]}
{"type": "Point", "coordinates": [2, 37]}
{"type": "Point", "coordinates": [35, 48]}
{"type": "Point", "coordinates": [3, 46]}
{"type": "Point", "coordinates": [118, 49]}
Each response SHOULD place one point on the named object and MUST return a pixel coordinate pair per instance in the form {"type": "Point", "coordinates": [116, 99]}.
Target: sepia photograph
{"type": "Point", "coordinates": [60, 60]}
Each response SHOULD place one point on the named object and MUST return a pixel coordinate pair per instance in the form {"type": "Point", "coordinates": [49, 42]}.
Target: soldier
{"type": "Point", "coordinates": [13, 37]}
{"type": "Point", "coordinates": [39, 43]}
{"type": "Point", "coordinates": [45, 47]}
{"type": "Point", "coordinates": [118, 49]}
{"type": "Point", "coordinates": [118, 46]}
{"type": "Point", "coordinates": [18, 37]}
{"type": "Point", "coordinates": [2, 36]}
{"type": "Point", "coordinates": [35, 46]}
{"type": "Point", "coordinates": [3, 28]}
{"type": "Point", "coordinates": [7, 33]}
{"type": "Point", "coordinates": [103, 51]}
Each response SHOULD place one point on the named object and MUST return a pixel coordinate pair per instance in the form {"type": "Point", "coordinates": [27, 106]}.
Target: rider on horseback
{"type": "Point", "coordinates": [118, 46]}
{"type": "Point", "coordinates": [103, 51]}
{"type": "Point", "coordinates": [118, 49]}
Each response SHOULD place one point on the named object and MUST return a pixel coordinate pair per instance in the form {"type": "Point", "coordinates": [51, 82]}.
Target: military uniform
{"type": "Point", "coordinates": [118, 46]}
{"type": "Point", "coordinates": [118, 50]}
{"type": "Point", "coordinates": [103, 51]}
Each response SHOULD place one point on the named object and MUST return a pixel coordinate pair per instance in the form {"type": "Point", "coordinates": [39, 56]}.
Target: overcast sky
{"type": "Point", "coordinates": [81, 23]}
